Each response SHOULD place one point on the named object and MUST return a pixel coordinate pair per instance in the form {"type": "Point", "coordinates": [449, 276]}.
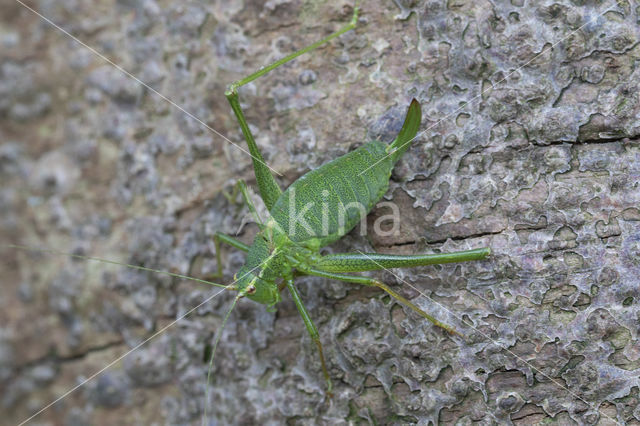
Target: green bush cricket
{"type": "Point", "coordinates": [282, 250]}
{"type": "Point", "coordinates": [316, 210]}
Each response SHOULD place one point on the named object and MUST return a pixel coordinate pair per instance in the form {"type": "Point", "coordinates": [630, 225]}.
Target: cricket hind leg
{"type": "Point", "coordinates": [359, 262]}
{"type": "Point", "coordinates": [375, 283]}
{"type": "Point", "coordinates": [269, 188]}
{"type": "Point", "coordinates": [313, 331]}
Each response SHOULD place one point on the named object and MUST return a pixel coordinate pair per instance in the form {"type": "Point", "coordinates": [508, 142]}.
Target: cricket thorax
{"type": "Point", "coordinates": [266, 262]}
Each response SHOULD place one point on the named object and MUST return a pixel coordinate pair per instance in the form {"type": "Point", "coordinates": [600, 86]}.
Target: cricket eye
{"type": "Point", "coordinates": [251, 289]}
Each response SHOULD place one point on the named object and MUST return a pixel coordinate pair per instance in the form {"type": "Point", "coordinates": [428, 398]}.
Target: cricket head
{"type": "Point", "coordinates": [249, 283]}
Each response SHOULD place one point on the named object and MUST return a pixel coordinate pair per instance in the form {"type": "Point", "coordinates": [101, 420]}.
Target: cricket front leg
{"type": "Point", "coordinates": [241, 186]}
{"type": "Point", "coordinates": [224, 238]}
{"type": "Point", "coordinates": [311, 328]}
{"type": "Point", "coordinates": [375, 283]}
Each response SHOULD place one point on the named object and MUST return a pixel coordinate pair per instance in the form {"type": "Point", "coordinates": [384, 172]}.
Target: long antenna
{"type": "Point", "coordinates": [213, 354]}
{"type": "Point", "coordinates": [113, 262]}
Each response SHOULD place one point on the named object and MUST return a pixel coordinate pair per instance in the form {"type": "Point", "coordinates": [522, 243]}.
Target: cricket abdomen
{"type": "Point", "coordinates": [326, 203]}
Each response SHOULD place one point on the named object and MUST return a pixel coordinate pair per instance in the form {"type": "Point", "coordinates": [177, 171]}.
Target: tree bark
{"type": "Point", "coordinates": [529, 145]}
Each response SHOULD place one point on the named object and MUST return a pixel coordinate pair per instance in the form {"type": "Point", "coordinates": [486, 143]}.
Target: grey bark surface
{"type": "Point", "coordinates": [529, 146]}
